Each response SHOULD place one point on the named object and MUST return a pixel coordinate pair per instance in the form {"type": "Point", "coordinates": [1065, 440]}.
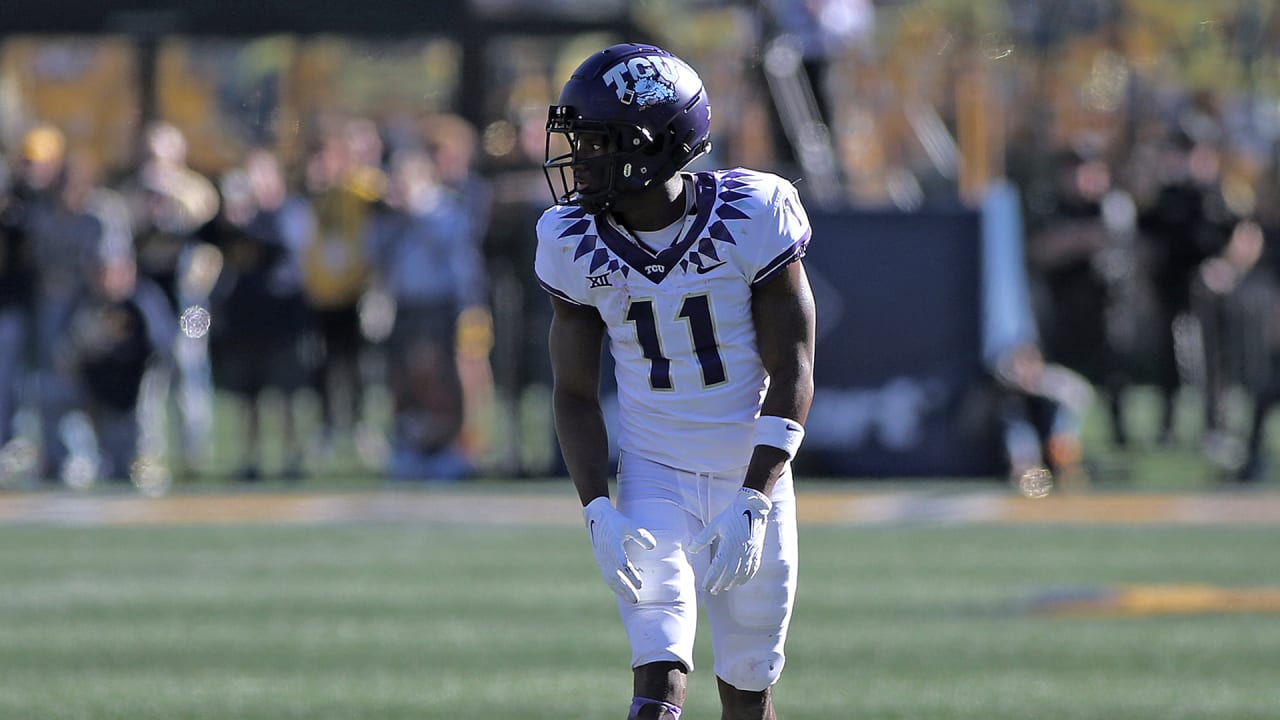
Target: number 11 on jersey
{"type": "Point", "coordinates": [695, 311]}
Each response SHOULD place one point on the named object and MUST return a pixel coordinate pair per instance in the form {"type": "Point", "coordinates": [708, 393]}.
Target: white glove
{"type": "Point", "coordinates": [610, 531]}
{"type": "Point", "coordinates": [738, 534]}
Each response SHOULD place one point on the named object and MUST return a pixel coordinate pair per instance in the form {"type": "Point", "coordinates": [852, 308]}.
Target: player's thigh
{"type": "Point", "coordinates": [765, 601]}
{"type": "Point", "coordinates": [653, 496]}
{"type": "Point", "coordinates": [662, 625]}
{"type": "Point", "coordinates": [749, 623]}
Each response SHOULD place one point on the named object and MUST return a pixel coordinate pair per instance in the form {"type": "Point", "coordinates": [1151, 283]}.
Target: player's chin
{"type": "Point", "coordinates": [588, 193]}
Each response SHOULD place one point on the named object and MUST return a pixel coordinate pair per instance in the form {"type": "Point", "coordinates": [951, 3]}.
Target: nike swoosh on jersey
{"type": "Point", "coordinates": [708, 268]}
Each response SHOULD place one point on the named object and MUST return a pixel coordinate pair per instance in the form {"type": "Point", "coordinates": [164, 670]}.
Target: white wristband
{"type": "Point", "coordinates": [783, 433]}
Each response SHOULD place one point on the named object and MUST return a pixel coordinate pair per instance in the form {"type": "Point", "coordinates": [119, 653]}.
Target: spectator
{"type": "Point", "coordinates": [1227, 311]}
{"type": "Point", "coordinates": [17, 270]}
{"type": "Point", "coordinates": [1180, 235]}
{"type": "Point", "coordinates": [1068, 251]}
{"type": "Point", "coordinates": [452, 143]}
{"type": "Point", "coordinates": [261, 319]}
{"type": "Point", "coordinates": [63, 233]}
{"type": "Point", "coordinates": [1245, 278]}
{"type": "Point", "coordinates": [171, 202]}
{"type": "Point", "coordinates": [1039, 407]}
{"type": "Point", "coordinates": [344, 190]}
{"type": "Point", "coordinates": [426, 263]}
{"type": "Point", "coordinates": [119, 328]}
{"type": "Point", "coordinates": [521, 322]}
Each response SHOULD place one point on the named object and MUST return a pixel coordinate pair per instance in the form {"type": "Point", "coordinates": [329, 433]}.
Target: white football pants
{"type": "Point", "coordinates": [748, 623]}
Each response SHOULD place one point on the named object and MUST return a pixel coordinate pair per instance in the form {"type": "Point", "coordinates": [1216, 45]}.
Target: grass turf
{"type": "Point", "coordinates": [440, 621]}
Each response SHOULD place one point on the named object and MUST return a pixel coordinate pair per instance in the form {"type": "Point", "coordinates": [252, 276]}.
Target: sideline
{"type": "Point", "coordinates": [559, 508]}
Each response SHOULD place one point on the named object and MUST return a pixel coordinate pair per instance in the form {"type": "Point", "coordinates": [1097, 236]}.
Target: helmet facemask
{"type": "Point", "coordinates": [614, 157]}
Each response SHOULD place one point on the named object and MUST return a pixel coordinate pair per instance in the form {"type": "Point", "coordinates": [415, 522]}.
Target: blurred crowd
{"type": "Point", "coordinates": [380, 268]}
{"type": "Point", "coordinates": [1145, 193]}
{"type": "Point", "coordinates": [1153, 260]}
{"type": "Point", "coordinates": [377, 260]}
{"type": "Point", "coordinates": [129, 304]}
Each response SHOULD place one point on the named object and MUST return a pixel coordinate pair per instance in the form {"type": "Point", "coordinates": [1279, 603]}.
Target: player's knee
{"type": "Point", "coordinates": [753, 674]}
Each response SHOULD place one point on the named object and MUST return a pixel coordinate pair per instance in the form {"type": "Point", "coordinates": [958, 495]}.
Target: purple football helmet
{"type": "Point", "coordinates": [633, 116]}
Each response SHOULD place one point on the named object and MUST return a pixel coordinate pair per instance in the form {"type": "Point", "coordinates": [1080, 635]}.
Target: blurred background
{"type": "Point", "coordinates": [271, 241]}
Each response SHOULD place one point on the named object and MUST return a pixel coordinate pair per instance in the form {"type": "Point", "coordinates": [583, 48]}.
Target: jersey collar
{"type": "Point", "coordinates": [657, 265]}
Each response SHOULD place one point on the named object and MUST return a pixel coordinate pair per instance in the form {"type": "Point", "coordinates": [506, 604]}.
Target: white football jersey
{"type": "Point", "coordinates": [690, 380]}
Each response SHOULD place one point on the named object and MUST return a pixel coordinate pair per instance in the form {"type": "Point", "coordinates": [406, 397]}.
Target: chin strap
{"type": "Point", "coordinates": [668, 711]}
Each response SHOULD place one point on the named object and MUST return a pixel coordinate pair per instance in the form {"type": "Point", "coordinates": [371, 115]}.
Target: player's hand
{"type": "Point", "coordinates": [738, 534]}
{"type": "Point", "coordinates": [610, 532]}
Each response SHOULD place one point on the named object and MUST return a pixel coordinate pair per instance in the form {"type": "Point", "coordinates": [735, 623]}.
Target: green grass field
{"type": "Point", "coordinates": [399, 620]}
{"type": "Point", "coordinates": [428, 619]}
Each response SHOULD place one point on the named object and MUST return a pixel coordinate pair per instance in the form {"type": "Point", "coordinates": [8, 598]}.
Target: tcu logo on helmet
{"type": "Point", "coordinates": [647, 80]}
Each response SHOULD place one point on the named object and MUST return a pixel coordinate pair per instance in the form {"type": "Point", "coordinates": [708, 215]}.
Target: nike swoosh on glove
{"type": "Point", "coordinates": [738, 534]}
{"type": "Point", "coordinates": [610, 532]}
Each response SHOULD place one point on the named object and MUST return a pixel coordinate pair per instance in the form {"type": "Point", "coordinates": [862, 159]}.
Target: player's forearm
{"type": "Point", "coordinates": [767, 464]}
{"type": "Point", "coordinates": [584, 443]}
{"type": "Point", "coordinates": [790, 395]}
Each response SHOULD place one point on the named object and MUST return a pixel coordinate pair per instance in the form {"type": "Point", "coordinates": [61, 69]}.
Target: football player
{"type": "Point", "coordinates": [696, 280]}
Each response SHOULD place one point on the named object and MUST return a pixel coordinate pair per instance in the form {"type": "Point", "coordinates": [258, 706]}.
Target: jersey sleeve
{"type": "Point", "coordinates": [553, 262]}
{"type": "Point", "coordinates": [781, 231]}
